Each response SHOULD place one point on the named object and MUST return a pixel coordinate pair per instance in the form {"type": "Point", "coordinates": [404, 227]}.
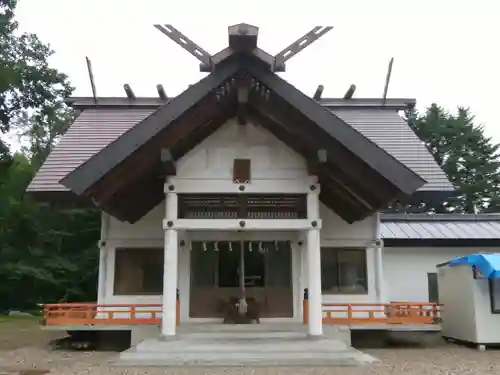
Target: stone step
{"type": "Point", "coordinates": [249, 359]}
{"type": "Point", "coordinates": [230, 346]}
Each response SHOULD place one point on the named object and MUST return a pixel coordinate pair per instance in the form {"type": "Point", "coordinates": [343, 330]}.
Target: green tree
{"type": "Point", "coordinates": [468, 157]}
{"type": "Point", "coordinates": [50, 254]}
{"type": "Point", "coordinates": [27, 83]}
{"type": "Point", "coordinates": [47, 252]}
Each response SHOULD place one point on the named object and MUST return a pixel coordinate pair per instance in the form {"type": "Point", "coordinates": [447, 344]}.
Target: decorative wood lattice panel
{"type": "Point", "coordinates": [242, 206]}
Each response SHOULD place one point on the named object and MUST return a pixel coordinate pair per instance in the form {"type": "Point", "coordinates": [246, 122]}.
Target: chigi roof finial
{"type": "Point", "coordinates": [243, 39]}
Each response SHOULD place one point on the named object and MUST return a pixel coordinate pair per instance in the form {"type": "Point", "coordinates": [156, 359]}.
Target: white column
{"type": "Point", "coordinates": [379, 274]}
{"type": "Point", "coordinates": [168, 323]}
{"type": "Point", "coordinates": [103, 254]}
{"type": "Point", "coordinates": [101, 283]}
{"type": "Point", "coordinates": [315, 324]}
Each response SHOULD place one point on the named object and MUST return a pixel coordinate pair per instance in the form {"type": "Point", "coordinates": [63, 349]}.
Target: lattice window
{"type": "Point", "coordinates": [242, 206]}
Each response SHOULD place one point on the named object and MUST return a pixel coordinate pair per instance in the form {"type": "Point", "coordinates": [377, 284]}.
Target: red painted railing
{"type": "Point", "coordinates": [94, 314]}
{"type": "Point", "coordinates": [377, 313]}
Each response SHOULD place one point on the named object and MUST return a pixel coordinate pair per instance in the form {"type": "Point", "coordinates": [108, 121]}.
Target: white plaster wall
{"type": "Point", "coordinates": [456, 286]}
{"type": "Point", "coordinates": [487, 324]}
{"type": "Point", "coordinates": [405, 269]}
{"type": "Point", "coordinates": [213, 159]}
{"type": "Point", "coordinates": [466, 310]}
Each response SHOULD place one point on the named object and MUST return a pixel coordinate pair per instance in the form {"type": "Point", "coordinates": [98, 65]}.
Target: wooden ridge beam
{"type": "Point", "coordinates": [129, 91]}
{"type": "Point", "coordinates": [318, 93]}
{"type": "Point", "coordinates": [350, 92]}
{"type": "Point", "coordinates": [161, 92]}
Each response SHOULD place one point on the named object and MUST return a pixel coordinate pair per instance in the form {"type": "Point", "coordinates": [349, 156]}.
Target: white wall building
{"type": "Point", "coordinates": [242, 165]}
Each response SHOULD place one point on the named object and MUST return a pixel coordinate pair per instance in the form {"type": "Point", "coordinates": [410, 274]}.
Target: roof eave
{"type": "Point", "coordinates": [86, 102]}
{"type": "Point", "coordinates": [389, 167]}
{"type": "Point", "coordinates": [82, 178]}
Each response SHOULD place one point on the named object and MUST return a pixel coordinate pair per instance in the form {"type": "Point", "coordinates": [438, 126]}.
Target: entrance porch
{"type": "Point", "coordinates": [249, 267]}
{"type": "Point", "coordinates": [209, 226]}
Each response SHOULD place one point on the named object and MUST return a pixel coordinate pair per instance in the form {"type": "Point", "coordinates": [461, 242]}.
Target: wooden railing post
{"type": "Point", "coordinates": [305, 307]}
{"type": "Point", "coordinates": [132, 312]}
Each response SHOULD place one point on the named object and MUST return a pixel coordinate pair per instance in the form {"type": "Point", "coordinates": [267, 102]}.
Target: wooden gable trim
{"type": "Point", "coordinates": [82, 178]}
{"type": "Point", "coordinates": [126, 178]}
{"type": "Point", "coordinates": [196, 125]}
{"type": "Point", "coordinates": [371, 154]}
{"type": "Point", "coordinates": [348, 198]}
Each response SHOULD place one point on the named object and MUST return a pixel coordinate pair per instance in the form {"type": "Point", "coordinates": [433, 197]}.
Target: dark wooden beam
{"type": "Point", "coordinates": [341, 206]}
{"type": "Point", "coordinates": [350, 92]}
{"type": "Point", "coordinates": [353, 169]}
{"type": "Point", "coordinates": [130, 169]}
{"type": "Point", "coordinates": [139, 197]}
{"type": "Point", "coordinates": [225, 112]}
{"type": "Point", "coordinates": [161, 92]}
{"type": "Point", "coordinates": [128, 91]}
{"type": "Point", "coordinates": [355, 197]}
{"type": "Point", "coordinates": [194, 49]}
{"type": "Point", "coordinates": [329, 128]}
{"type": "Point", "coordinates": [243, 83]}
{"type": "Point", "coordinates": [301, 43]}
{"type": "Point", "coordinates": [168, 161]}
{"type": "Point", "coordinates": [243, 37]}
{"type": "Point", "coordinates": [322, 155]}
{"type": "Point", "coordinates": [318, 93]}
{"type": "Point", "coordinates": [167, 118]}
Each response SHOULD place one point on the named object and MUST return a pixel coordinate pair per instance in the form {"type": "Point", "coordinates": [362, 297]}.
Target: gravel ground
{"type": "Point", "coordinates": [450, 359]}
{"type": "Point", "coordinates": [24, 350]}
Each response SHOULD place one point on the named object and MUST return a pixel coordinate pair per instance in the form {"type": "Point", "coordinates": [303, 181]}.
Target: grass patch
{"type": "Point", "coordinates": [12, 319]}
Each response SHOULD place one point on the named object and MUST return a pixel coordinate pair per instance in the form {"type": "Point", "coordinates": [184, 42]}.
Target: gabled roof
{"type": "Point", "coordinates": [108, 158]}
{"type": "Point", "coordinates": [99, 125]}
{"type": "Point", "coordinates": [130, 165]}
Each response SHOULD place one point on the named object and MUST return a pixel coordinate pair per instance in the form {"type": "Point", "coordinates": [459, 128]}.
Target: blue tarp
{"type": "Point", "coordinates": [487, 264]}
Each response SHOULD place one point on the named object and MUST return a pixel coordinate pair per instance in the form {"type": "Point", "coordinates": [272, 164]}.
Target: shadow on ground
{"type": "Point", "coordinates": [376, 339]}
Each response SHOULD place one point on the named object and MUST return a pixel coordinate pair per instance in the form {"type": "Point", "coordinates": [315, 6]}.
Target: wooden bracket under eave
{"type": "Point", "coordinates": [314, 164]}
{"type": "Point", "coordinates": [168, 162]}
{"type": "Point", "coordinates": [243, 83]}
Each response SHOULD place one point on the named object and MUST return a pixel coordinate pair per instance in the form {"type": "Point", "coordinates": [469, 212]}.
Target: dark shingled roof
{"type": "Point", "coordinates": [98, 125]}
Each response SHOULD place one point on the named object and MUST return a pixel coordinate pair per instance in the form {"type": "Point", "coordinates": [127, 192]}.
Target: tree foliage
{"type": "Point", "coordinates": [26, 80]}
{"type": "Point", "coordinates": [469, 158]}
{"type": "Point", "coordinates": [47, 253]}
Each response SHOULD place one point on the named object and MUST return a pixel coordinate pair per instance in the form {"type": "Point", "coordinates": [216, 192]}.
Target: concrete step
{"type": "Point", "coordinates": [269, 345]}
{"type": "Point", "coordinates": [251, 359]}
{"type": "Point", "coordinates": [243, 348]}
